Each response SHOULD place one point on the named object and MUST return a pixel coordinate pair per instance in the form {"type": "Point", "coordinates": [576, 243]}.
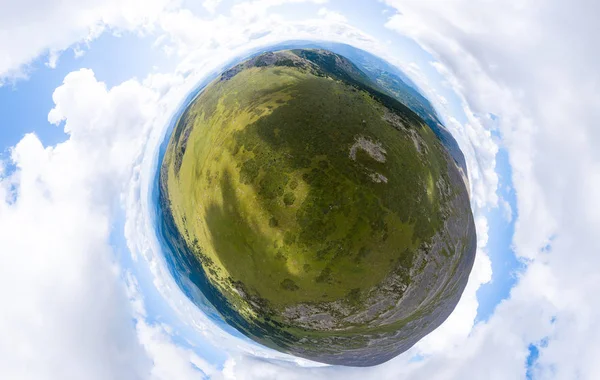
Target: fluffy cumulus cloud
{"type": "Point", "coordinates": [31, 28]}
{"type": "Point", "coordinates": [198, 40]}
{"type": "Point", "coordinates": [70, 310]}
{"type": "Point", "coordinates": [65, 312]}
{"type": "Point", "coordinates": [532, 65]}
{"type": "Point", "coordinates": [521, 70]}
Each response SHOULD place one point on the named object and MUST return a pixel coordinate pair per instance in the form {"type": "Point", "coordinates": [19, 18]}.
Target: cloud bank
{"type": "Point", "coordinates": [526, 80]}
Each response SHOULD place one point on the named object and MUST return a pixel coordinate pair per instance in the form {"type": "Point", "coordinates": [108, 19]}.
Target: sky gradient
{"type": "Point", "coordinates": [89, 89]}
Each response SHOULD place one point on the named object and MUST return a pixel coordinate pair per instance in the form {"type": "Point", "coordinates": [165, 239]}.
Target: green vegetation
{"type": "Point", "coordinates": [295, 183]}
{"type": "Point", "coordinates": [288, 164]}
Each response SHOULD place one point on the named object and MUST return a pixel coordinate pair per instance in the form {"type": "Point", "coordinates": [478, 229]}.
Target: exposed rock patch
{"type": "Point", "coordinates": [378, 177]}
{"type": "Point", "coordinates": [372, 148]}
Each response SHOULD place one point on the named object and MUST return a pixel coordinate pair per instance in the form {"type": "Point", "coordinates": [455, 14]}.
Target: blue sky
{"type": "Point", "coordinates": [528, 311]}
{"type": "Point", "coordinates": [505, 266]}
{"type": "Point", "coordinates": [133, 56]}
{"type": "Point", "coordinates": [31, 99]}
{"type": "Point", "coordinates": [27, 102]}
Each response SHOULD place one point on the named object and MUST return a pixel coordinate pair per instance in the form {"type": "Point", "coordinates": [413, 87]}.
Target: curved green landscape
{"type": "Point", "coordinates": [321, 210]}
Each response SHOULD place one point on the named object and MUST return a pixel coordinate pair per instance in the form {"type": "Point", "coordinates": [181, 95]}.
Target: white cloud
{"type": "Point", "coordinates": [204, 44]}
{"type": "Point", "coordinates": [453, 333]}
{"type": "Point", "coordinates": [531, 64]}
{"type": "Point", "coordinates": [251, 10]}
{"type": "Point", "coordinates": [53, 56]}
{"type": "Point", "coordinates": [198, 40]}
{"type": "Point", "coordinates": [211, 5]}
{"type": "Point", "coordinates": [506, 210]}
{"type": "Point", "coordinates": [31, 28]}
{"type": "Point", "coordinates": [64, 313]}
{"type": "Point", "coordinates": [331, 16]}
{"type": "Point", "coordinates": [169, 360]}
{"type": "Point", "coordinates": [67, 312]}
{"type": "Point", "coordinates": [513, 59]}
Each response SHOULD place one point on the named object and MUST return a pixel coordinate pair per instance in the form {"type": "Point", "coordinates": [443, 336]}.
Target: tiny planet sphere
{"type": "Point", "coordinates": [329, 221]}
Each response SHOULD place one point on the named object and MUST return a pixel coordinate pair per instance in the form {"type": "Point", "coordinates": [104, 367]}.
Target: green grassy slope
{"type": "Point", "coordinates": [262, 186]}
